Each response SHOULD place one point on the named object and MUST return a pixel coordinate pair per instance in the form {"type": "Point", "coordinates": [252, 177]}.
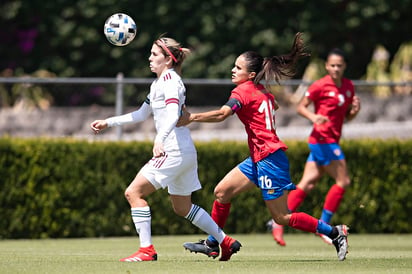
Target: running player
{"type": "Point", "coordinates": [267, 167]}
{"type": "Point", "coordinates": [174, 162]}
{"type": "Point", "coordinates": [334, 102]}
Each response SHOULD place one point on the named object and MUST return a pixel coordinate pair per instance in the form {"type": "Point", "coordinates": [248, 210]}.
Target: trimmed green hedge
{"type": "Point", "coordinates": [71, 188]}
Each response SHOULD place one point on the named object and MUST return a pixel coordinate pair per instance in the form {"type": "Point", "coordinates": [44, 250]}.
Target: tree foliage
{"type": "Point", "coordinates": [66, 37]}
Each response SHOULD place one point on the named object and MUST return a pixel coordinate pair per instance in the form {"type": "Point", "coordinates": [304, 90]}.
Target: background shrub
{"type": "Point", "coordinates": [71, 188]}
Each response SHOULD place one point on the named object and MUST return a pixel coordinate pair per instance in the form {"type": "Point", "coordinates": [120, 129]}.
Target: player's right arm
{"type": "Point", "coordinates": [304, 111]}
{"type": "Point", "coordinates": [133, 117]}
{"type": "Point", "coordinates": [98, 125]}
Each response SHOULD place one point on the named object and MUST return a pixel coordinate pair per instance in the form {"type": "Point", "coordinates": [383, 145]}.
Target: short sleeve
{"type": "Point", "coordinates": [238, 94]}
{"type": "Point", "coordinates": [314, 91]}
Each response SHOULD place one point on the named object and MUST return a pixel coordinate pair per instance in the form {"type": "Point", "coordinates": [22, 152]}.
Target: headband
{"type": "Point", "coordinates": [164, 47]}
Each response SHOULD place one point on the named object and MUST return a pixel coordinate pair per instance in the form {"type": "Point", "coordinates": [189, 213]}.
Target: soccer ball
{"type": "Point", "coordinates": [120, 29]}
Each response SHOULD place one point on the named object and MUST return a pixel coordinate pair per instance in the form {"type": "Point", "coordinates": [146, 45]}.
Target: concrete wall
{"type": "Point", "coordinates": [379, 118]}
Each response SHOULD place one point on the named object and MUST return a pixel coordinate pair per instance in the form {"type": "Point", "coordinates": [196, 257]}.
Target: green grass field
{"type": "Point", "coordinates": [304, 253]}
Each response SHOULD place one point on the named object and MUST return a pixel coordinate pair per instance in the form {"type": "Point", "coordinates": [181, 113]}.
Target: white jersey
{"type": "Point", "coordinates": [165, 101]}
{"type": "Point", "coordinates": [177, 169]}
{"type": "Point", "coordinates": [165, 90]}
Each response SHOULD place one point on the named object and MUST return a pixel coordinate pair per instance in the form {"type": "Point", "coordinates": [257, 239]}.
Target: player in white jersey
{"type": "Point", "coordinates": [174, 162]}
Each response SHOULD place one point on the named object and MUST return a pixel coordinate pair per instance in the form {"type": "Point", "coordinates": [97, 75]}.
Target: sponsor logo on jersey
{"type": "Point", "coordinates": [337, 152]}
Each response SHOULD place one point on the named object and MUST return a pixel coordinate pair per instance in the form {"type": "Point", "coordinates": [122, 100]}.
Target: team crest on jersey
{"type": "Point", "coordinates": [348, 93]}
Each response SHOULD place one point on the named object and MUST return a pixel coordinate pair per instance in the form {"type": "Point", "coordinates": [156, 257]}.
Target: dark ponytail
{"type": "Point", "coordinates": [275, 68]}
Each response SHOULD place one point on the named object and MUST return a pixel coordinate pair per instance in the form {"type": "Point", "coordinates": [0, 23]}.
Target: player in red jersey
{"type": "Point", "coordinates": [334, 100]}
{"type": "Point", "coordinates": [267, 167]}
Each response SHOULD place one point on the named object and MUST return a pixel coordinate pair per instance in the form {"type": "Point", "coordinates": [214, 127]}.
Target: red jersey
{"type": "Point", "coordinates": [333, 102]}
{"type": "Point", "coordinates": [256, 109]}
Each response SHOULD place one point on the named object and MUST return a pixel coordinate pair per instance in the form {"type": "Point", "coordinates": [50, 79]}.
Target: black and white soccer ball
{"type": "Point", "coordinates": [120, 29]}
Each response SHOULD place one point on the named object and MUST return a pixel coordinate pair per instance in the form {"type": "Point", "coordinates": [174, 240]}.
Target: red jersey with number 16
{"type": "Point", "coordinates": [256, 110]}
{"type": "Point", "coordinates": [333, 102]}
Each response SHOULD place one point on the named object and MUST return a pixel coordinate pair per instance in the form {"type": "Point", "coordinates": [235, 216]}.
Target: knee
{"type": "Point", "coordinates": [222, 195]}
{"type": "Point", "coordinates": [132, 195]}
{"type": "Point", "coordinates": [218, 194]}
{"type": "Point", "coordinates": [344, 183]}
{"type": "Point", "coordinates": [307, 186]}
{"type": "Point", "coordinates": [128, 194]}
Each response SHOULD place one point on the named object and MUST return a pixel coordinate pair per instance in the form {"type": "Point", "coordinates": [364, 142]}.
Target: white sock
{"type": "Point", "coordinates": [142, 221]}
{"type": "Point", "coordinates": [200, 218]}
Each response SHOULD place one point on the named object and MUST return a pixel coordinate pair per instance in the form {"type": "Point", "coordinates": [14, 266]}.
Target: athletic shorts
{"type": "Point", "coordinates": [270, 174]}
{"type": "Point", "coordinates": [323, 154]}
{"type": "Point", "coordinates": [177, 172]}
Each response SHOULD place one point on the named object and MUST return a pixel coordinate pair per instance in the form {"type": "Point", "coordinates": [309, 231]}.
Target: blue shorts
{"type": "Point", "coordinates": [323, 154]}
{"type": "Point", "coordinates": [270, 174]}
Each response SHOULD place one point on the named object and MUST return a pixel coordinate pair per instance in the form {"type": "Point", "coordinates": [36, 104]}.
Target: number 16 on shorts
{"type": "Point", "coordinates": [265, 182]}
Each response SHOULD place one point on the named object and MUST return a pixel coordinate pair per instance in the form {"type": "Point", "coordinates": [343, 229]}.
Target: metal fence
{"type": "Point", "coordinates": [118, 84]}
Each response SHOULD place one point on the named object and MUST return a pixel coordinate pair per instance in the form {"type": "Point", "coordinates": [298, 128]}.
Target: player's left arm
{"type": "Point", "coordinates": [172, 102]}
{"type": "Point", "coordinates": [213, 116]}
{"type": "Point", "coordinates": [172, 109]}
{"type": "Point", "coordinates": [354, 108]}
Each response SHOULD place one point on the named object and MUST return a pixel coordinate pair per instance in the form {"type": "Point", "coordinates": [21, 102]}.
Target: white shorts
{"type": "Point", "coordinates": [176, 172]}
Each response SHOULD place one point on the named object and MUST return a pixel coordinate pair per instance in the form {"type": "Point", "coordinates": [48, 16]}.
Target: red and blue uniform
{"type": "Point", "coordinates": [333, 102]}
{"type": "Point", "coordinates": [267, 166]}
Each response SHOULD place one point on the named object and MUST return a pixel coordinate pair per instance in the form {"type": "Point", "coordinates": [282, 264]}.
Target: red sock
{"type": "Point", "coordinates": [295, 199]}
{"type": "Point", "coordinates": [220, 213]}
{"type": "Point", "coordinates": [333, 198]}
{"type": "Point", "coordinates": [303, 221]}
